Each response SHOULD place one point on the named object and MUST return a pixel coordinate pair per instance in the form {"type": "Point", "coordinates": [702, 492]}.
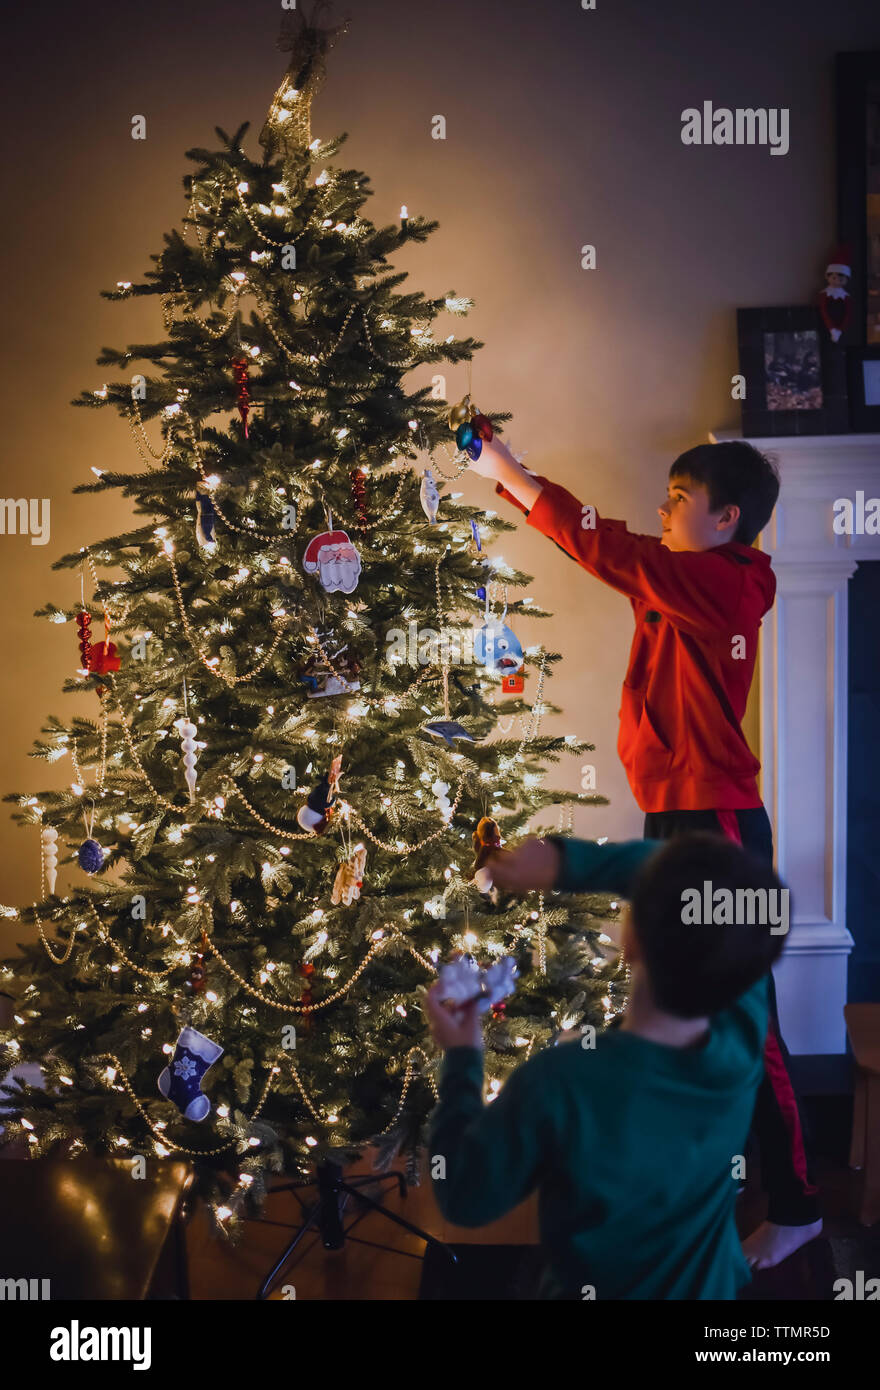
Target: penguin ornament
{"type": "Point", "coordinates": [318, 810]}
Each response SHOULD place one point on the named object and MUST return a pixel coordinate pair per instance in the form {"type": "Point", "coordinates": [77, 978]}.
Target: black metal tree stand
{"type": "Point", "coordinates": [326, 1215]}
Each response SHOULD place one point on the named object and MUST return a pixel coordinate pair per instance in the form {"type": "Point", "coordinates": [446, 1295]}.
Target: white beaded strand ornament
{"type": "Point", "coordinates": [48, 858]}
{"type": "Point", "coordinates": [188, 731]}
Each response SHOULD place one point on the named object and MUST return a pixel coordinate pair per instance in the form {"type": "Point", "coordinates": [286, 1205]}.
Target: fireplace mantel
{"type": "Point", "coordinates": [804, 688]}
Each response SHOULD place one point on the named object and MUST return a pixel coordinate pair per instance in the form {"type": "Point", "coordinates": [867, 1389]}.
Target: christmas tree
{"type": "Point", "coordinates": [306, 698]}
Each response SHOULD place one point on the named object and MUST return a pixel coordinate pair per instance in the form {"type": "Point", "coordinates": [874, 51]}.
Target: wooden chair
{"type": "Point", "coordinates": [863, 1027]}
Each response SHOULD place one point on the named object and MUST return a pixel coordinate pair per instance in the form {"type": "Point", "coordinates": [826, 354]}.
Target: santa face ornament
{"type": "Point", "coordinates": [332, 556]}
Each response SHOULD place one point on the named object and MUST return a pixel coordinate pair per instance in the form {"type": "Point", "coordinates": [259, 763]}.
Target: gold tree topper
{"type": "Point", "coordinates": [288, 124]}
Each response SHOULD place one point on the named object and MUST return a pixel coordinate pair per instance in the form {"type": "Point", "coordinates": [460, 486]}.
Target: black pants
{"type": "Point", "coordinates": [792, 1196]}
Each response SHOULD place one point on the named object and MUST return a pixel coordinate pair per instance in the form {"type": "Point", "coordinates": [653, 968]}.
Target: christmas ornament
{"type": "Point", "coordinates": [198, 975]}
{"type": "Point", "coordinates": [460, 413]}
{"type": "Point", "coordinates": [90, 856]}
{"type": "Point", "coordinates": [444, 805]}
{"type": "Point", "coordinates": [470, 427]}
{"type": "Point", "coordinates": [462, 980]}
{"type": "Point", "coordinates": [206, 517]}
{"type": "Point", "coordinates": [181, 1081]}
{"type": "Point", "coordinates": [512, 685]}
{"type": "Point", "coordinates": [429, 496]}
{"type": "Point", "coordinates": [359, 494]}
{"type": "Point", "coordinates": [477, 551]}
{"type": "Point", "coordinates": [350, 877]}
{"type": "Point", "coordinates": [323, 679]}
{"type": "Point", "coordinates": [307, 970]}
{"type": "Point", "coordinates": [467, 439]}
{"type": "Point", "coordinates": [835, 305]}
{"type": "Point", "coordinates": [497, 648]}
{"type": "Point", "coordinates": [448, 730]}
{"type": "Point", "coordinates": [240, 372]}
{"type": "Point", "coordinates": [48, 839]}
{"type": "Point", "coordinates": [318, 810]}
{"type": "Point", "coordinates": [188, 731]}
{"type": "Point", "coordinates": [482, 426]}
{"type": "Point", "coordinates": [84, 624]}
{"type": "Point", "coordinates": [335, 560]}
{"type": "Point", "coordinates": [104, 658]}
{"type": "Point", "coordinates": [486, 841]}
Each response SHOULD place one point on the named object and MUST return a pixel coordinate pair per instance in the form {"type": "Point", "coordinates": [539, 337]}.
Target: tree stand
{"type": "Point", "coordinates": [326, 1215]}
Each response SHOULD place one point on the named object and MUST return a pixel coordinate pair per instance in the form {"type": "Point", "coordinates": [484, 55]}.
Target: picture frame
{"type": "Point", "coordinates": [858, 186]}
{"type": "Point", "coordinates": [863, 375]}
{"type": "Point", "coordinates": [795, 378]}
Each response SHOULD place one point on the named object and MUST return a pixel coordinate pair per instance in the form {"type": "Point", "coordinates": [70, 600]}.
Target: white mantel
{"type": "Point", "coordinates": [803, 666]}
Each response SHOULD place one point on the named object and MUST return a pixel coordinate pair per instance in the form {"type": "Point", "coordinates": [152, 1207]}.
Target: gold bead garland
{"type": "Point", "coordinates": [137, 425]}
{"type": "Point", "coordinates": [407, 1079]}
{"type": "Point", "coordinates": [235, 790]}
{"type": "Point", "coordinates": [105, 936]}
{"type": "Point", "coordinates": [126, 731]}
{"type": "Point", "coordinates": [219, 674]}
{"type": "Point", "coordinates": [306, 1009]}
{"type": "Point", "coordinates": [269, 241]}
{"type": "Point", "coordinates": [159, 1134]}
{"type": "Point", "coordinates": [56, 960]}
{"type": "Point", "coordinates": [410, 849]}
{"type": "Point", "coordinates": [189, 316]}
{"type": "Point", "coordinates": [110, 619]}
{"type": "Point", "coordinates": [542, 936]}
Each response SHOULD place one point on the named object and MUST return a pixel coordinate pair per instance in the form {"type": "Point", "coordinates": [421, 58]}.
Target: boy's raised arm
{"type": "Point", "coordinates": [695, 589]}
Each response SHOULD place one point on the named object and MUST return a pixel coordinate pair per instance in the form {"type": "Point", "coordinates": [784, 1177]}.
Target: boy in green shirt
{"type": "Point", "coordinates": [634, 1144]}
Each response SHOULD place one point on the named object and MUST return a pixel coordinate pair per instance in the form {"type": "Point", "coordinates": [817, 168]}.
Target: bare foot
{"type": "Point", "coordinates": [770, 1244]}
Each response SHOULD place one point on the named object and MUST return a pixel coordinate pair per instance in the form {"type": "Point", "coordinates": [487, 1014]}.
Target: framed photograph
{"type": "Point", "coordinates": [863, 367]}
{"type": "Point", "coordinates": [792, 385]}
{"type": "Point", "coordinates": [858, 185]}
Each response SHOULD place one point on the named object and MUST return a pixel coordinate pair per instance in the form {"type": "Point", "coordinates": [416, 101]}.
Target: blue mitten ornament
{"type": "Point", "coordinates": [182, 1080]}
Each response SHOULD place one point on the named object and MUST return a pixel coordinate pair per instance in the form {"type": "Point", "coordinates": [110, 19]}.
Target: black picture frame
{"type": "Point", "coordinates": [864, 416]}
{"type": "Point", "coordinates": [857, 80]}
{"type": "Point", "coordinates": [825, 380]}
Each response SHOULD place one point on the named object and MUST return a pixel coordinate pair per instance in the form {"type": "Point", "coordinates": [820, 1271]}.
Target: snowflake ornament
{"type": "Point", "coordinates": [462, 980]}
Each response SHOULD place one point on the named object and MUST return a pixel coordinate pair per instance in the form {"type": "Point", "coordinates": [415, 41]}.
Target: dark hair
{"type": "Point", "coordinates": [697, 968]}
{"type": "Point", "coordinates": [734, 472]}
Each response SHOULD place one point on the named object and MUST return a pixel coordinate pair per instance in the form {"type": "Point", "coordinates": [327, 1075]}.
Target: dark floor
{"type": "Point", "coordinates": [363, 1271]}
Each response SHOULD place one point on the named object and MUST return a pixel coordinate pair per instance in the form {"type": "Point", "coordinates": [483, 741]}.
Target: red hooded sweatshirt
{"type": "Point", "coordinates": [697, 616]}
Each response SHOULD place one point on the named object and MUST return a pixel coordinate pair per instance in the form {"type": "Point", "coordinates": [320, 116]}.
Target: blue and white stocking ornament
{"type": "Point", "coordinates": [181, 1081]}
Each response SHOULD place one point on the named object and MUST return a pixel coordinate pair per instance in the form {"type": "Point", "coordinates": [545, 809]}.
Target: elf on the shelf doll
{"type": "Point", "coordinates": [835, 304]}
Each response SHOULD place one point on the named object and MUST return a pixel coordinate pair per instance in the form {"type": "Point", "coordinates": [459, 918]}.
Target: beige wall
{"type": "Point", "coordinates": [563, 129]}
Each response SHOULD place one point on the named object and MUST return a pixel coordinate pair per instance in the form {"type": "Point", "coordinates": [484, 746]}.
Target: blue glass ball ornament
{"type": "Point", "coordinates": [90, 856]}
{"type": "Point", "coordinates": [464, 434]}
{"type": "Point", "coordinates": [475, 448]}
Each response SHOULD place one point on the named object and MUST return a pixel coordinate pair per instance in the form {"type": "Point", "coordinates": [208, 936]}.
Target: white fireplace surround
{"type": "Point", "coordinates": [803, 665]}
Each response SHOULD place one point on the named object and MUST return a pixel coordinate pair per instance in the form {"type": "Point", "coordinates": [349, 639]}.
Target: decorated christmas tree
{"type": "Point", "coordinates": [312, 716]}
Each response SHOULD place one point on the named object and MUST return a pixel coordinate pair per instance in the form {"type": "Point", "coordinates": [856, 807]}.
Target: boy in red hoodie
{"type": "Point", "coordinates": [698, 596]}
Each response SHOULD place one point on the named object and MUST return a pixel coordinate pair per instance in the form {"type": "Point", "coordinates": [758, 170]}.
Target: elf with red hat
{"type": "Point", "coordinates": [835, 304]}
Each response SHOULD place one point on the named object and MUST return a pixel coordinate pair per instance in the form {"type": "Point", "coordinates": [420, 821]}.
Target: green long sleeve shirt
{"type": "Point", "coordinates": [630, 1144]}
